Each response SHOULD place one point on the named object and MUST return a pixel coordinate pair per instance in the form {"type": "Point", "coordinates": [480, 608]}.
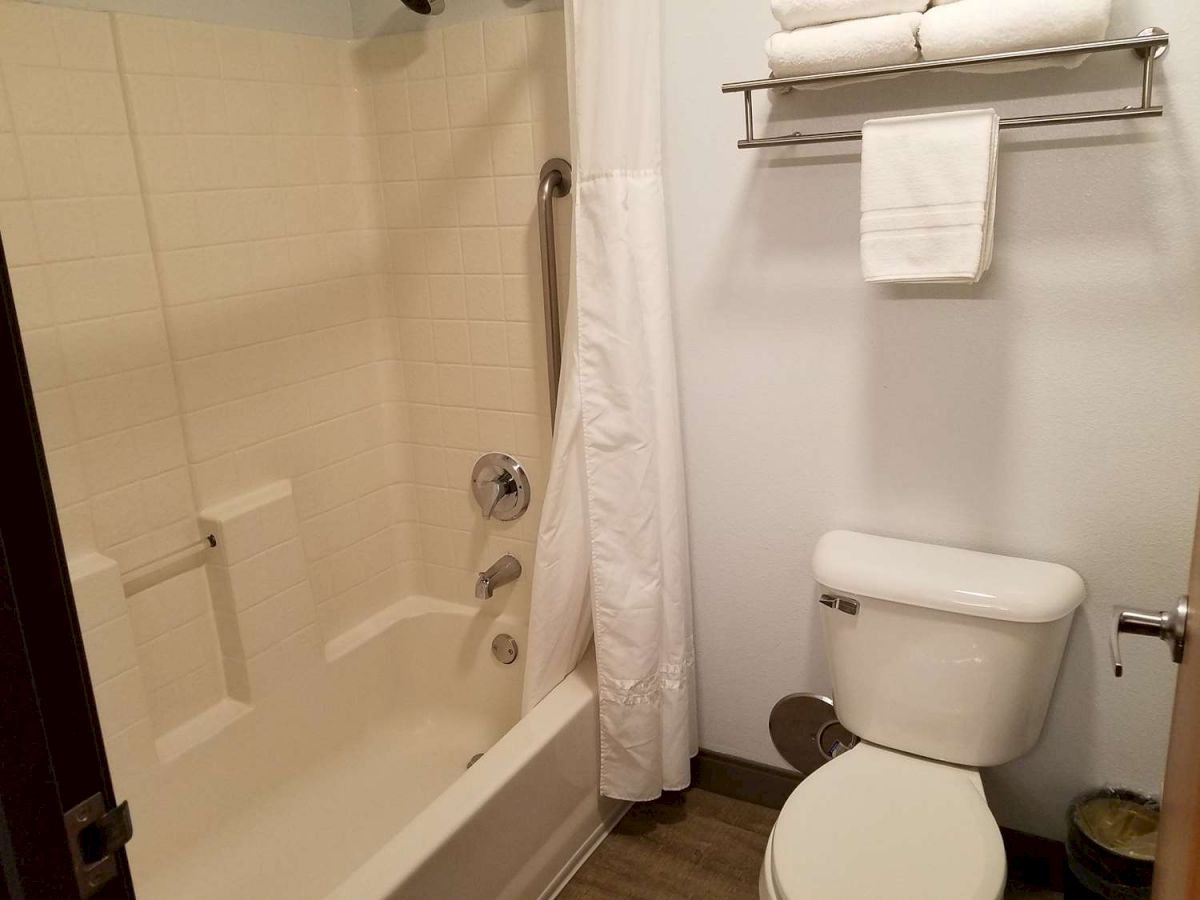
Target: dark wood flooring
{"type": "Point", "coordinates": [693, 845]}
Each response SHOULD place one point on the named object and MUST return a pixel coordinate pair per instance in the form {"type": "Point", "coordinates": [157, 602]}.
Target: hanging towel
{"type": "Point", "coordinates": [928, 196]}
{"type": "Point", "coordinates": [841, 46]}
{"type": "Point", "coordinates": [975, 27]}
{"type": "Point", "coordinates": [802, 13]}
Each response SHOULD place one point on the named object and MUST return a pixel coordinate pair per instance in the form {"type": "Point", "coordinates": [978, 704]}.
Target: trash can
{"type": "Point", "coordinates": [1111, 837]}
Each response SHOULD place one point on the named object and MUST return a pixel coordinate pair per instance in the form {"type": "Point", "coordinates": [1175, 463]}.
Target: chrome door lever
{"type": "Point", "coordinates": [1168, 625]}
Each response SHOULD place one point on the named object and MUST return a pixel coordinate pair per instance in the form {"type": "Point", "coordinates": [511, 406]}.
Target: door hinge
{"type": "Point", "coordinates": [95, 835]}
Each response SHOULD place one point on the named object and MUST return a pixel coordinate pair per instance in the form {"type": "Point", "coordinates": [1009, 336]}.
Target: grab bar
{"type": "Point", "coordinates": [555, 182]}
{"type": "Point", "coordinates": [168, 565]}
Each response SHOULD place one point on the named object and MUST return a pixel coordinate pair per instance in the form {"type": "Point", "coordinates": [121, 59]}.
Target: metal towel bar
{"type": "Point", "coordinates": [1149, 45]}
{"type": "Point", "coordinates": [555, 182]}
{"type": "Point", "coordinates": [168, 565]}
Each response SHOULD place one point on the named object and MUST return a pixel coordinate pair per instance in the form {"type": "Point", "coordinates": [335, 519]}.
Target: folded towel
{"type": "Point", "coordinates": [802, 13]}
{"type": "Point", "coordinates": [841, 46]}
{"type": "Point", "coordinates": [974, 27]}
{"type": "Point", "coordinates": [928, 196]}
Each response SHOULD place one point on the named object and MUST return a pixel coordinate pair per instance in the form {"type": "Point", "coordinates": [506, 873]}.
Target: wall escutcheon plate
{"type": "Point", "coordinates": [500, 487]}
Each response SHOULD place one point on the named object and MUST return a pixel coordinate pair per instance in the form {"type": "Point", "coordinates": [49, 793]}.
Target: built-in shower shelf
{"type": "Point", "coordinates": [1149, 45]}
{"type": "Point", "coordinates": [199, 729]}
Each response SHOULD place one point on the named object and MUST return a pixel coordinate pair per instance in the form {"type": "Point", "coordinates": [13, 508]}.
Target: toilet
{"type": "Point", "coordinates": [943, 662]}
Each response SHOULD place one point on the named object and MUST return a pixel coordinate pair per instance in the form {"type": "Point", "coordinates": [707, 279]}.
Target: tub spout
{"type": "Point", "coordinates": [503, 571]}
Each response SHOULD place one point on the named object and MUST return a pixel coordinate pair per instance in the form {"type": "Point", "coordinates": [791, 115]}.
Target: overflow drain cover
{"type": "Point", "coordinates": [806, 732]}
{"type": "Point", "coordinates": [504, 648]}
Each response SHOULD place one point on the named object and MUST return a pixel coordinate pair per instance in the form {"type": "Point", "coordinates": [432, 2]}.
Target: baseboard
{"type": "Point", "coordinates": [743, 779]}
{"type": "Point", "coordinates": [595, 839]}
{"type": "Point", "coordinates": [1034, 861]}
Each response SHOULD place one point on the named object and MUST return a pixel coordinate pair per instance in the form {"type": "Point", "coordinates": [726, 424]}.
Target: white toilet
{"type": "Point", "coordinates": [943, 662]}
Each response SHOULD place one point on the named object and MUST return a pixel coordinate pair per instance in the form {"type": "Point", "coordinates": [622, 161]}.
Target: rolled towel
{"type": "Point", "coordinates": [841, 46]}
{"type": "Point", "coordinates": [976, 27]}
{"type": "Point", "coordinates": [802, 13]}
{"type": "Point", "coordinates": [929, 196]}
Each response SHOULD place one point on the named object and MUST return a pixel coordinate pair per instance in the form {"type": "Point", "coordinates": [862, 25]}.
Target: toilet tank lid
{"type": "Point", "coordinates": [946, 578]}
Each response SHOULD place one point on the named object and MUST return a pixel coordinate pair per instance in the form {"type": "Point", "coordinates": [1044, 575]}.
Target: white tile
{"type": "Point", "coordinates": [12, 172]}
{"type": "Point", "coordinates": [143, 44]}
{"type": "Point", "coordinates": [423, 54]}
{"type": "Point", "coordinates": [508, 97]}
{"type": "Point", "coordinates": [546, 39]}
{"type": "Point", "coordinates": [40, 99]}
{"type": "Point", "coordinates": [53, 167]}
{"type": "Point", "coordinates": [108, 165]}
{"type": "Point", "coordinates": [110, 649]}
{"type": "Point", "coordinates": [153, 104]}
{"type": "Point", "coordinates": [464, 48]}
{"type": "Point", "coordinates": [512, 149]}
{"type": "Point", "coordinates": [27, 35]}
{"type": "Point", "coordinates": [96, 584]}
{"type": "Point", "coordinates": [64, 229]}
{"type": "Point", "coordinates": [193, 48]}
{"type": "Point", "coordinates": [97, 104]}
{"type": "Point", "coordinates": [504, 43]}
{"type": "Point", "coordinates": [428, 108]}
{"type": "Point", "coordinates": [121, 701]}
{"type": "Point", "coordinates": [239, 53]}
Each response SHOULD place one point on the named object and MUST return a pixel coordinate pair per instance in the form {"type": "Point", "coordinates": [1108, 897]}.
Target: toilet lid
{"type": "Point", "coordinates": [880, 823]}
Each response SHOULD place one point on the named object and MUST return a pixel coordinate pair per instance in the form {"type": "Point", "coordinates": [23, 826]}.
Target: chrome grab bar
{"type": "Point", "coordinates": [555, 181]}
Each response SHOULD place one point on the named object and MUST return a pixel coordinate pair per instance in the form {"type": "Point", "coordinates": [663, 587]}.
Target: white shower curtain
{"type": "Point", "coordinates": [612, 555]}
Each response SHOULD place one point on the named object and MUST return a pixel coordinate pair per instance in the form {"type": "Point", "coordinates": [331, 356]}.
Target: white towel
{"type": "Point", "coordinates": [841, 46]}
{"type": "Point", "coordinates": [974, 27]}
{"type": "Point", "coordinates": [928, 196]}
{"type": "Point", "coordinates": [802, 13]}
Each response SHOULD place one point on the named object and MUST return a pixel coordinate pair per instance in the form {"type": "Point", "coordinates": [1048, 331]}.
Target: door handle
{"type": "Point", "coordinates": [1167, 625]}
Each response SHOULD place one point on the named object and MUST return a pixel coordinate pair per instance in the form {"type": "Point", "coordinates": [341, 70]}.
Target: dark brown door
{"type": "Point", "coordinates": [51, 753]}
{"type": "Point", "coordinates": [1177, 868]}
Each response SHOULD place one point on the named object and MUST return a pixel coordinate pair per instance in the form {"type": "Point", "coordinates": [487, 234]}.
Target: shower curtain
{"type": "Point", "coordinates": [612, 557]}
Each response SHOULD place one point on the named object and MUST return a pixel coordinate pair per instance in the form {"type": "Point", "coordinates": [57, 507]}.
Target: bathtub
{"type": "Point", "coordinates": [353, 781]}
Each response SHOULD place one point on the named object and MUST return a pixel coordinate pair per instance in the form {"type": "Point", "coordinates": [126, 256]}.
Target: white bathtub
{"type": "Point", "coordinates": [353, 782]}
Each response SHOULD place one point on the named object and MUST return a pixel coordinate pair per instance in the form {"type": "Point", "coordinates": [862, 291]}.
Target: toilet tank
{"type": "Point", "coordinates": [946, 653]}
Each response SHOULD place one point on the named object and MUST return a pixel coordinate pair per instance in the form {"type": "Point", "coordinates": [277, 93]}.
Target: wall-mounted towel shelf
{"type": "Point", "coordinates": [1149, 45]}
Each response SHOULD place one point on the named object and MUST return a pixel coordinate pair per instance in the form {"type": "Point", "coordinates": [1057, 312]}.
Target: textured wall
{"type": "Point", "coordinates": [1048, 412]}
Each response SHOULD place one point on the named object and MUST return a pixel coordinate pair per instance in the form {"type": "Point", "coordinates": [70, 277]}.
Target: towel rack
{"type": "Point", "coordinates": [1149, 45]}
{"type": "Point", "coordinates": [169, 565]}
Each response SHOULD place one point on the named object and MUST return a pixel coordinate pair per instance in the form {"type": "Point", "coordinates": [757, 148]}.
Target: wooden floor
{"type": "Point", "coordinates": [693, 845]}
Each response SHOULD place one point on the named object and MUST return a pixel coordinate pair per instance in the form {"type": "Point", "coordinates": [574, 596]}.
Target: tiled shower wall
{"type": "Point", "coordinates": [465, 116]}
{"type": "Point", "coordinates": [245, 257]}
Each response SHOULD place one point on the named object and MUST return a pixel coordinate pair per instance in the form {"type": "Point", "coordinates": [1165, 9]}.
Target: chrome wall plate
{"type": "Point", "coordinates": [500, 487]}
{"type": "Point", "coordinates": [807, 733]}
{"type": "Point", "coordinates": [504, 648]}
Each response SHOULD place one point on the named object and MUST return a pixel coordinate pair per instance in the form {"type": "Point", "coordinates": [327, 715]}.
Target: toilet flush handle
{"type": "Point", "coordinates": [1168, 625]}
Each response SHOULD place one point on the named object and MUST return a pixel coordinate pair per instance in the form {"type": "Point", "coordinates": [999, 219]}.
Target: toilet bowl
{"type": "Point", "coordinates": [943, 661]}
{"type": "Point", "coordinates": [877, 823]}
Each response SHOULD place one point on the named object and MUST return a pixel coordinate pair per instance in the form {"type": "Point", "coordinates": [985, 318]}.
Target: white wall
{"type": "Point", "coordinates": [1048, 412]}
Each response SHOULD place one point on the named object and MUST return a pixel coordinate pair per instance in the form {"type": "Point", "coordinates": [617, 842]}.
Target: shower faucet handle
{"type": "Point", "coordinates": [1167, 625]}
{"type": "Point", "coordinates": [500, 487]}
{"type": "Point", "coordinates": [489, 494]}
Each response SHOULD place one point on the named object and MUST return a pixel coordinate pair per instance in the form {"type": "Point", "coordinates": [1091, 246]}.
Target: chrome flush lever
{"type": "Point", "coordinates": [1168, 625]}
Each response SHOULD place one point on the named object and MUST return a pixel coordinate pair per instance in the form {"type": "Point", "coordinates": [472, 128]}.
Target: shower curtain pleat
{"type": "Point", "coordinates": [614, 525]}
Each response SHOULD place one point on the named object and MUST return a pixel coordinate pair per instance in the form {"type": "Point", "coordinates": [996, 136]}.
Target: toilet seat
{"type": "Point", "coordinates": [878, 823]}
